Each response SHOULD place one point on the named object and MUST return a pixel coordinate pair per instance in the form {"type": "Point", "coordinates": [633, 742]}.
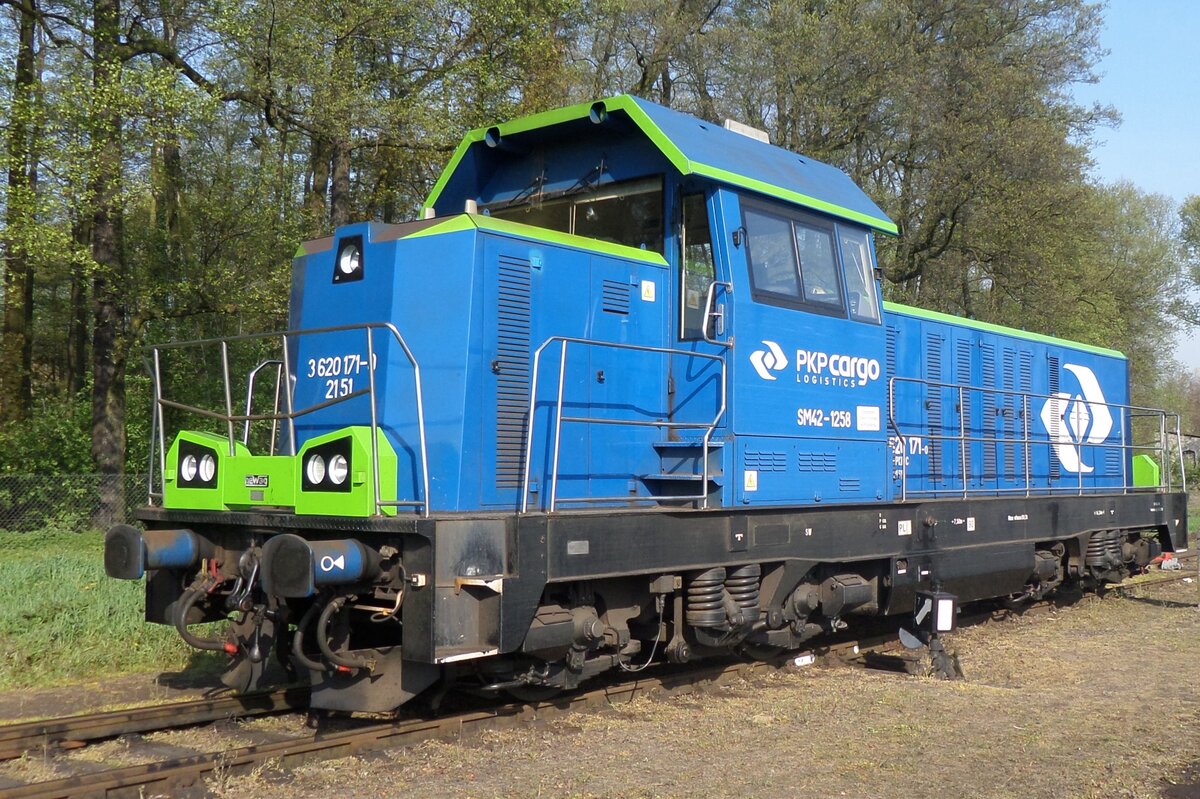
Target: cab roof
{"type": "Point", "coordinates": [691, 145]}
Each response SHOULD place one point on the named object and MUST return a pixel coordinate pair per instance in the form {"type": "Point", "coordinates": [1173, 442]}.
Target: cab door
{"type": "Point", "coordinates": [697, 387]}
{"type": "Point", "coordinates": [809, 385]}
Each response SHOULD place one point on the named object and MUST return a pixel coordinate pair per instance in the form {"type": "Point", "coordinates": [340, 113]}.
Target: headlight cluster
{"type": "Point", "coordinates": [327, 467]}
{"type": "Point", "coordinates": [197, 466]}
{"type": "Point", "coordinates": [348, 265]}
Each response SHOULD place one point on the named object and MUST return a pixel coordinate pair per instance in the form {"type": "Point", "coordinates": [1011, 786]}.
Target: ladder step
{"type": "Point", "coordinates": [682, 477]}
{"type": "Point", "coordinates": [688, 444]}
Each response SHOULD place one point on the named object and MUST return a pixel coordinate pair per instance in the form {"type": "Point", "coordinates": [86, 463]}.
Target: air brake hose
{"type": "Point", "coordinates": [335, 605]}
{"type": "Point", "coordinates": [298, 640]}
{"type": "Point", "coordinates": [186, 603]}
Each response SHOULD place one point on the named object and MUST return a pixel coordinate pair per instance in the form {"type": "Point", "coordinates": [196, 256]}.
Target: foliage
{"type": "Point", "coordinates": [89, 626]}
{"type": "Point", "coordinates": [176, 153]}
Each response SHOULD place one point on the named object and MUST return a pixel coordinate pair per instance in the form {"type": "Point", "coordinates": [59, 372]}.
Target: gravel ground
{"type": "Point", "coordinates": [1096, 700]}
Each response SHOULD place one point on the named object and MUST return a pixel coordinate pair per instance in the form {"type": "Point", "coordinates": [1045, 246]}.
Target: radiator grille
{"type": "Point", "coordinates": [512, 365]}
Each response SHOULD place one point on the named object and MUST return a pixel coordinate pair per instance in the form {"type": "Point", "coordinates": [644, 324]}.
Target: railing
{"type": "Point", "coordinates": [284, 377]}
{"type": "Point", "coordinates": [1027, 442]}
{"type": "Point", "coordinates": [559, 419]}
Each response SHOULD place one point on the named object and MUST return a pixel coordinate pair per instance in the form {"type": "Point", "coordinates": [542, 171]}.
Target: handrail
{"type": "Point", "coordinates": [291, 413]}
{"type": "Point", "coordinates": [1026, 441]}
{"type": "Point", "coordinates": [251, 379]}
{"type": "Point", "coordinates": [559, 419]}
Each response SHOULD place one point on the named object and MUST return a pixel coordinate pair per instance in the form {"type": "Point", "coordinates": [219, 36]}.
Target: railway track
{"type": "Point", "coordinates": [73, 732]}
{"type": "Point", "coordinates": [168, 777]}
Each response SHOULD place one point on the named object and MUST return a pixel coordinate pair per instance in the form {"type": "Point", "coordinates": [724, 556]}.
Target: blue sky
{"type": "Point", "coordinates": [1152, 76]}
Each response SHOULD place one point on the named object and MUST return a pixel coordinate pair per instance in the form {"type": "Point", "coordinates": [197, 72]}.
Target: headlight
{"type": "Point", "coordinates": [349, 259]}
{"type": "Point", "coordinates": [197, 466]}
{"type": "Point", "coordinates": [188, 468]}
{"type": "Point", "coordinates": [315, 469]}
{"type": "Point", "coordinates": [348, 265]}
{"type": "Point", "coordinates": [326, 467]}
{"type": "Point", "coordinates": [339, 469]}
{"type": "Point", "coordinates": [208, 468]}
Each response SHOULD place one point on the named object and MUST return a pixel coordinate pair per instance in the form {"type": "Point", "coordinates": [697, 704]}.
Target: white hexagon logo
{"type": "Point", "coordinates": [767, 362]}
{"type": "Point", "coordinates": [1074, 421]}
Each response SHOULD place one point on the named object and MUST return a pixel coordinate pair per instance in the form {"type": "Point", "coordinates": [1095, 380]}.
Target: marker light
{"type": "Point", "coordinates": [208, 468]}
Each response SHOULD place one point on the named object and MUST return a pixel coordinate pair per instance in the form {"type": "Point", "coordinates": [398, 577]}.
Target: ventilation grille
{"type": "Point", "coordinates": [615, 297]}
{"type": "Point", "coordinates": [1112, 462]}
{"type": "Point", "coordinates": [992, 422]}
{"type": "Point", "coordinates": [892, 334]}
{"type": "Point", "coordinates": [1055, 467]}
{"type": "Point", "coordinates": [849, 484]}
{"type": "Point", "coordinates": [766, 461]}
{"type": "Point", "coordinates": [933, 373]}
{"type": "Point", "coordinates": [962, 367]}
{"type": "Point", "coordinates": [512, 364]}
{"type": "Point", "coordinates": [1009, 403]}
{"type": "Point", "coordinates": [817, 462]}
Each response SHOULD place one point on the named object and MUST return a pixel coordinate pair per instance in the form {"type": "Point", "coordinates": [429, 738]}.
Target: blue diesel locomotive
{"type": "Point", "coordinates": [627, 390]}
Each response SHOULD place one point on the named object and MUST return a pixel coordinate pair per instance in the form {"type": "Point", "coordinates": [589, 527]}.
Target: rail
{"type": "Point", "coordinates": [284, 377]}
{"type": "Point", "coordinates": [559, 419]}
{"type": "Point", "coordinates": [1028, 443]}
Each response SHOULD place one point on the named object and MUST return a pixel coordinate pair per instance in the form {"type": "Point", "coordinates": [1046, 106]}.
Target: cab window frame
{"type": "Point", "coordinates": [800, 300]}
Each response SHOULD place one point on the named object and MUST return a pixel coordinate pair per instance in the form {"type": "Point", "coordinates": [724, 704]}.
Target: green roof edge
{"type": "Point", "coordinates": [462, 222]}
{"type": "Point", "coordinates": [626, 103]}
{"type": "Point", "coordinates": [1008, 331]}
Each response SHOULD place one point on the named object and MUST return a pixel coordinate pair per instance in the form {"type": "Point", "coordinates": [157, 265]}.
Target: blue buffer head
{"type": "Point", "coordinates": [293, 567]}
{"type": "Point", "coordinates": [129, 553]}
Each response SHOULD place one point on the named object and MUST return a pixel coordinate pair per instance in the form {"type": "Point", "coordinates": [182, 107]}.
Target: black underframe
{"type": "Point", "coordinates": [939, 550]}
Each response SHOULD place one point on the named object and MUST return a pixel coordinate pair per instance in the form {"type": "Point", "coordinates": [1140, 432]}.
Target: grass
{"type": "Point", "coordinates": [62, 620]}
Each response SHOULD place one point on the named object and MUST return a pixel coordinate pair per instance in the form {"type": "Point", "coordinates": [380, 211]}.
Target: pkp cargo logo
{"type": "Point", "coordinates": [1074, 421]}
{"type": "Point", "coordinates": [767, 362]}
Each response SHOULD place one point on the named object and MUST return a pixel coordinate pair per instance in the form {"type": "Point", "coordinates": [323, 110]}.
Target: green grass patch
{"type": "Point", "coordinates": [63, 620]}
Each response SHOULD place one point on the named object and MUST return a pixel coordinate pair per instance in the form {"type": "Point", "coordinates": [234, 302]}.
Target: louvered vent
{"type": "Point", "coordinates": [1052, 366]}
{"type": "Point", "coordinates": [962, 373]}
{"type": "Point", "coordinates": [512, 365]}
{"type": "Point", "coordinates": [991, 423]}
{"type": "Point", "coordinates": [615, 297]}
{"type": "Point", "coordinates": [766, 461]}
{"type": "Point", "coordinates": [1112, 461]}
{"type": "Point", "coordinates": [933, 373]}
{"type": "Point", "coordinates": [892, 335]}
{"type": "Point", "coordinates": [817, 462]}
{"type": "Point", "coordinates": [1009, 403]}
{"type": "Point", "coordinates": [849, 484]}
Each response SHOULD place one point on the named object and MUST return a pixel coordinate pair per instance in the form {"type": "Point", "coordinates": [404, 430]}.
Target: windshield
{"type": "Point", "coordinates": [629, 213]}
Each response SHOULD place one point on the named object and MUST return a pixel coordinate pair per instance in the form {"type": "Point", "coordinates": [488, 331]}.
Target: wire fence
{"type": "Point", "coordinates": [78, 502]}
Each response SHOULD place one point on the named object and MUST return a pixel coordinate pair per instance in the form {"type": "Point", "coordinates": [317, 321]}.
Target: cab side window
{"type": "Point", "coordinates": [695, 264]}
{"type": "Point", "coordinates": [809, 262]}
{"type": "Point", "coordinates": [771, 249]}
{"type": "Point", "coordinates": [860, 274]}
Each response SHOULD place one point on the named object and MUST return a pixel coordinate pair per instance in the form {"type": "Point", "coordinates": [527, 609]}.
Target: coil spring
{"type": "Point", "coordinates": [1104, 549]}
{"type": "Point", "coordinates": [742, 585]}
{"type": "Point", "coordinates": [705, 598]}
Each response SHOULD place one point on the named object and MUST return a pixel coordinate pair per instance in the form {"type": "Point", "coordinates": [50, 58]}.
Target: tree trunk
{"type": "Point", "coordinates": [16, 340]}
{"type": "Point", "coordinates": [77, 327]}
{"type": "Point", "coordinates": [315, 203]}
{"type": "Point", "coordinates": [339, 205]}
{"type": "Point", "coordinates": [108, 362]}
